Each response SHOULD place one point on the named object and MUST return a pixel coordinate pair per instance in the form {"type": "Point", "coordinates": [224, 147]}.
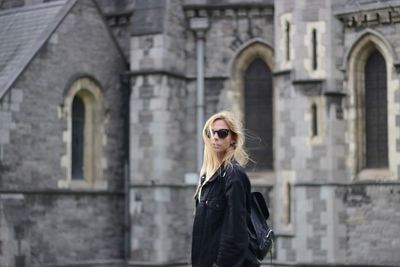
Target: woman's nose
{"type": "Point", "coordinates": [215, 135]}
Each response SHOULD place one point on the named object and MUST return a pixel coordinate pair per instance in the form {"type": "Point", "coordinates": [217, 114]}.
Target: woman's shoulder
{"type": "Point", "coordinates": [235, 171]}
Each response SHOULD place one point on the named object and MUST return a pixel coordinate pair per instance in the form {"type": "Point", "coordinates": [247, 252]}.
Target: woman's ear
{"type": "Point", "coordinates": [233, 141]}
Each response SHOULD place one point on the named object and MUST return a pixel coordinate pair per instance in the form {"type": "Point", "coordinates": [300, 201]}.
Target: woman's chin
{"type": "Point", "coordinates": [220, 152]}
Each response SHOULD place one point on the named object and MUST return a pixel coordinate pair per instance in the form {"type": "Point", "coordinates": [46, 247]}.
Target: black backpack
{"type": "Point", "coordinates": [260, 235]}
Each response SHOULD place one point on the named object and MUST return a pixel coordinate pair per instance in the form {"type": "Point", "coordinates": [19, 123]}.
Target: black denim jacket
{"type": "Point", "coordinates": [220, 225]}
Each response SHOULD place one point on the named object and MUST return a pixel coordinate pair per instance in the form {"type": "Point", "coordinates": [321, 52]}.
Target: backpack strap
{"type": "Point", "coordinates": [261, 204]}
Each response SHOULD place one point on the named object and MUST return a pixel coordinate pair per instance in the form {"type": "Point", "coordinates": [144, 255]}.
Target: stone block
{"type": "Point", "coordinates": [320, 206]}
{"type": "Point", "coordinates": [4, 136]}
{"type": "Point", "coordinates": [162, 195]}
{"type": "Point", "coordinates": [145, 116]}
{"type": "Point", "coordinates": [16, 95]}
{"type": "Point", "coordinates": [148, 21]}
{"type": "Point", "coordinates": [146, 91]}
{"type": "Point", "coordinates": [5, 118]}
{"type": "Point", "coordinates": [14, 106]}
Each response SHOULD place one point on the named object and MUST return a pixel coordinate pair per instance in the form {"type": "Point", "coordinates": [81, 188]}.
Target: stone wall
{"type": "Point", "coordinates": [354, 223]}
{"type": "Point", "coordinates": [231, 30]}
{"type": "Point", "coordinates": [32, 158]}
{"type": "Point", "coordinates": [162, 220]}
{"type": "Point", "coordinates": [333, 217]}
{"type": "Point", "coordinates": [157, 112]}
{"type": "Point", "coordinates": [39, 222]}
{"type": "Point", "coordinates": [48, 228]}
{"type": "Point", "coordinates": [370, 219]}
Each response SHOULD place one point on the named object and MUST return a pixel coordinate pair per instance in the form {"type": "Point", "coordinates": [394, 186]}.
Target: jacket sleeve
{"type": "Point", "coordinates": [234, 237]}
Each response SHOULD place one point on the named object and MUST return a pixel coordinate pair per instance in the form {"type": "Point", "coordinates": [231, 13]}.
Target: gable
{"type": "Point", "coordinates": [21, 29]}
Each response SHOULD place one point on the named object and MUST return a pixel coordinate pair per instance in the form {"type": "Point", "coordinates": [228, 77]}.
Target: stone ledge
{"type": "Point", "coordinates": [156, 264]}
{"type": "Point", "coordinates": [335, 93]}
{"type": "Point", "coordinates": [325, 264]}
{"type": "Point", "coordinates": [344, 9]}
{"type": "Point", "coordinates": [160, 185]}
{"type": "Point", "coordinates": [216, 5]}
{"type": "Point", "coordinates": [60, 192]}
{"type": "Point", "coordinates": [227, 9]}
{"type": "Point", "coordinates": [345, 184]}
{"type": "Point", "coordinates": [157, 72]}
{"type": "Point", "coordinates": [307, 81]}
{"type": "Point", "coordinates": [375, 14]}
{"type": "Point", "coordinates": [282, 72]}
{"type": "Point", "coordinates": [95, 263]}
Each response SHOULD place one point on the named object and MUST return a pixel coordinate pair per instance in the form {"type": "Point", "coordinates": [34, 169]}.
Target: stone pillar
{"type": "Point", "coordinates": [156, 174]}
{"type": "Point", "coordinates": [160, 202]}
{"type": "Point", "coordinates": [309, 137]}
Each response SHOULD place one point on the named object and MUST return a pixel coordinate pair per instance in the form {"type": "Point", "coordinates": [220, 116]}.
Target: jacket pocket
{"type": "Point", "coordinates": [216, 204]}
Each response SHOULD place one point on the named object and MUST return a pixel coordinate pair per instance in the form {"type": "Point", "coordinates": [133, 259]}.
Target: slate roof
{"type": "Point", "coordinates": [22, 33]}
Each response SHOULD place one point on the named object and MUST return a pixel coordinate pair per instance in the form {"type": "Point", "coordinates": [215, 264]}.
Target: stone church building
{"type": "Point", "coordinates": [100, 107]}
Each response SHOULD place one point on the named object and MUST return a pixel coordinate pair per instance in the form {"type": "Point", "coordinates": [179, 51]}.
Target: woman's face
{"type": "Point", "coordinates": [219, 144]}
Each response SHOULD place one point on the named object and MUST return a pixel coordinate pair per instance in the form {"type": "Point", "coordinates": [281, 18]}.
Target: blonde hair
{"type": "Point", "coordinates": [235, 152]}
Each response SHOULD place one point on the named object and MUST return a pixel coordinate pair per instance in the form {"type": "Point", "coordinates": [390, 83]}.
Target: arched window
{"type": "Point", "coordinates": [371, 113]}
{"type": "Point", "coordinates": [84, 161]}
{"type": "Point", "coordinates": [375, 109]}
{"type": "Point", "coordinates": [78, 137]}
{"type": "Point", "coordinates": [258, 115]}
{"type": "Point", "coordinates": [85, 141]}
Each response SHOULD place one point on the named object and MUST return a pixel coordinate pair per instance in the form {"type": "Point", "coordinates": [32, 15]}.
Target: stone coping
{"type": "Point", "coordinates": [58, 192]}
{"type": "Point", "coordinates": [352, 183]}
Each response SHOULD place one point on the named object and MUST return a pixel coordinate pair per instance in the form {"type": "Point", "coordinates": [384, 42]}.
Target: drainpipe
{"type": "Point", "coordinates": [126, 96]}
{"type": "Point", "coordinates": [199, 25]}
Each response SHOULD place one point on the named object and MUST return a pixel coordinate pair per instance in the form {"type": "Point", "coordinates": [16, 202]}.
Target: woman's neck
{"type": "Point", "coordinates": [221, 157]}
{"type": "Point", "coordinates": [210, 172]}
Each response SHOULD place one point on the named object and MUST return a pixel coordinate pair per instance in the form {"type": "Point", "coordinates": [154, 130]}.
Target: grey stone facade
{"type": "Point", "coordinates": [41, 223]}
{"type": "Point", "coordinates": [327, 209]}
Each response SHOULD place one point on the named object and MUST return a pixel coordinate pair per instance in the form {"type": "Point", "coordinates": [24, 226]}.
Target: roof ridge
{"type": "Point", "coordinates": [33, 7]}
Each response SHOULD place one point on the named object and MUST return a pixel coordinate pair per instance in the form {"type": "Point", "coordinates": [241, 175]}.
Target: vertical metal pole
{"type": "Point", "coordinates": [127, 232]}
{"type": "Point", "coordinates": [200, 97]}
{"type": "Point", "coordinates": [199, 25]}
{"type": "Point", "coordinates": [126, 94]}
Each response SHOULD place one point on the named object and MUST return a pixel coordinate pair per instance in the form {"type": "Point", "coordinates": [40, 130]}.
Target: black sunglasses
{"type": "Point", "coordinates": [222, 133]}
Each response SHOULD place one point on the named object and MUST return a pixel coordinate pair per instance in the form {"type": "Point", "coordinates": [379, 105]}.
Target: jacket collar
{"type": "Point", "coordinates": [220, 172]}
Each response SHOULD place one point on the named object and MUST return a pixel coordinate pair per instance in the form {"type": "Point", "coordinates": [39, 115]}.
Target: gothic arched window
{"type": "Point", "coordinates": [78, 137]}
{"type": "Point", "coordinates": [84, 137]}
{"type": "Point", "coordinates": [258, 115]}
{"type": "Point", "coordinates": [375, 108]}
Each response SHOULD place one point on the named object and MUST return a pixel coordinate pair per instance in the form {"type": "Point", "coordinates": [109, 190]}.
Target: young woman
{"type": "Point", "coordinates": [220, 237]}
